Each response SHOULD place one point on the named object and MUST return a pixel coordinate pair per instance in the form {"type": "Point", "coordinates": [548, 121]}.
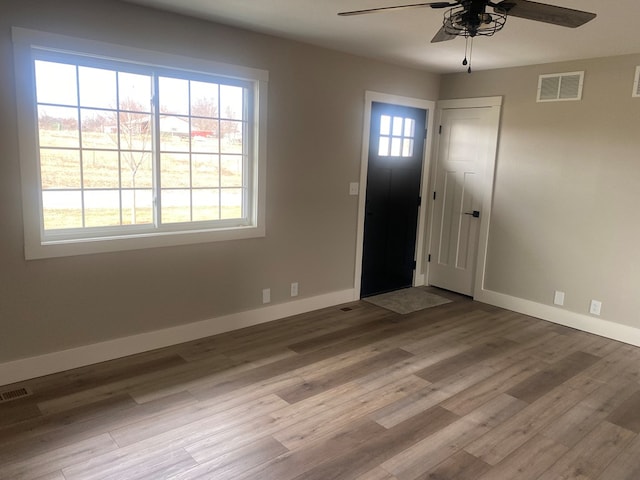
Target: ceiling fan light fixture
{"type": "Point", "coordinates": [462, 22]}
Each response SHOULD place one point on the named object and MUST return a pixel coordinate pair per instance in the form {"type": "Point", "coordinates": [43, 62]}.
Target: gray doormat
{"type": "Point", "coordinates": [407, 300]}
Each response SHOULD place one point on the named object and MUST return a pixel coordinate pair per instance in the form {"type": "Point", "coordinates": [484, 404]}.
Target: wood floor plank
{"type": "Point", "coordinates": [431, 395]}
{"type": "Point", "coordinates": [589, 457]}
{"type": "Point", "coordinates": [191, 416]}
{"type": "Point", "coordinates": [232, 464]}
{"type": "Point", "coordinates": [627, 415]}
{"type": "Point", "coordinates": [625, 466]}
{"type": "Point", "coordinates": [132, 464]}
{"type": "Point", "coordinates": [528, 461]}
{"type": "Point", "coordinates": [577, 422]}
{"type": "Point", "coordinates": [459, 466]}
{"type": "Point", "coordinates": [429, 452]}
{"type": "Point", "coordinates": [334, 378]}
{"type": "Point", "coordinates": [57, 459]}
{"type": "Point", "coordinates": [297, 462]}
{"type": "Point", "coordinates": [557, 373]}
{"type": "Point", "coordinates": [315, 426]}
{"type": "Point", "coordinates": [508, 436]}
{"type": "Point", "coordinates": [381, 447]}
{"type": "Point", "coordinates": [474, 396]}
{"type": "Point", "coordinates": [469, 357]}
{"type": "Point", "coordinates": [377, 474]}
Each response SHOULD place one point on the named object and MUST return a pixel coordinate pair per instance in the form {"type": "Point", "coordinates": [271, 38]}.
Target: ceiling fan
{"type": "Point", "coordinates": [469, 18]}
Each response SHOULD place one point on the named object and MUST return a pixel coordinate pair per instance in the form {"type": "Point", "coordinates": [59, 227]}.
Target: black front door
{"type": "Point", "coordinates": [396, 149]}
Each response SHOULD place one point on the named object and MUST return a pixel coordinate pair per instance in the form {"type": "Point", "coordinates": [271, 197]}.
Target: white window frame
{"type": "Point", "coordinates": [37, 245]}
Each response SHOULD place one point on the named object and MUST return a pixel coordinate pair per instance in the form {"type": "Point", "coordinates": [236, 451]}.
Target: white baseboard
{"type": "Point", "coordinates": [32, 367]}
{"type": "Point", "coordinates": [586, 323]}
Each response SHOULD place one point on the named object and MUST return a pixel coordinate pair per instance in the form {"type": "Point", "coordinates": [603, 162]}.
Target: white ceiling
{"type": "Point", "coordinates": [403, 37]}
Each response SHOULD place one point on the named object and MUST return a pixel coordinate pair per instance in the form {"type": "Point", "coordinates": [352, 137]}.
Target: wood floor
{"type": "Point", "coordinates": [461, 391]}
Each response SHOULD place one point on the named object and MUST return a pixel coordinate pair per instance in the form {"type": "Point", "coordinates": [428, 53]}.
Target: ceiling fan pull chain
{"type": "Point", "coordinates": [466, 44]}
{"type": "Point", "coordinates": [470, 55]}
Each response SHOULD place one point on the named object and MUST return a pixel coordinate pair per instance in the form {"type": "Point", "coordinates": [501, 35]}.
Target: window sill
{"type": "Point", "coordinates": [67, 248]}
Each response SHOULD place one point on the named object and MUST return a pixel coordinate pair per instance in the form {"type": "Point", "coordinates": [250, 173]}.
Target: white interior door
{"type": "Point", "coordinates": [462, 192]}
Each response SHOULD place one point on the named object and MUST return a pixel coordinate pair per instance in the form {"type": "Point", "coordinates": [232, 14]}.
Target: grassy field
{"type": "Point", "coordinates": [99, 172]}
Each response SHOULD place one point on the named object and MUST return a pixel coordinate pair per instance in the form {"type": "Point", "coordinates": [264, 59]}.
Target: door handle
{"type": "Point", "coordinates": [474, 214]}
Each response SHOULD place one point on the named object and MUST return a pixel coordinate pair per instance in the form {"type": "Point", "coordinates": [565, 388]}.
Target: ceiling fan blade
{"type": "Point", "coordinates": [541, 12]}
{"type": "Point", "coordinates": [442, 36]}
{"type": "Point", "coordinates": [400, 7]}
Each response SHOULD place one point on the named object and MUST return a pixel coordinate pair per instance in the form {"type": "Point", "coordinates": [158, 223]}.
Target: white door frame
{"type": "Point", "coordinates": [429, 106]}
{"type": "Point", "coordinates": [495, 104]}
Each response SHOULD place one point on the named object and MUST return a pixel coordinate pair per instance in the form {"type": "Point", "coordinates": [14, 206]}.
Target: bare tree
{"type": "Point", "coordinates": [133, 137]}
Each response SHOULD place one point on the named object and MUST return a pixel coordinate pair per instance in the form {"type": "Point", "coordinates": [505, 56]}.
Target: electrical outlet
{"type": "Point", "coordinates": [354, 187]}
{"type": "Point", "coordinates": [595, 307]}
{"type": "Point", "coordinates": [294, 289]}
{"type": "Point", "coordinates": [266, 295]}
{"type": "Point", "coordinates": [558, 298]}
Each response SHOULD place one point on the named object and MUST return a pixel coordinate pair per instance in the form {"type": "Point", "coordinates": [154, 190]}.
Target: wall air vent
{"type": "Point", "coordinates": [636, 83]}
{"type": "Point", "coordinates": [560, 87]}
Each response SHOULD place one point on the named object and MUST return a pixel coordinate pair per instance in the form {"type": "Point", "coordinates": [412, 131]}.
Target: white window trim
{"type": "Point", "coordinates": [24, 40]}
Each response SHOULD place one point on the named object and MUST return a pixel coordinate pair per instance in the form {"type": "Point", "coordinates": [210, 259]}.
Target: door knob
{"type": "Point", "coordinates": [475, 213]}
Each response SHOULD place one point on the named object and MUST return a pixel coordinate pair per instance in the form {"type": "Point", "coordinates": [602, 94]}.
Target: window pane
{"type": "Point", "coordinates": [204, 135]}
{"type": "Point", "coordinates": [62, 209]}
{"type": "Point", "coordinates": [58, 127]}
{"type": "Point", "coordinates": [97, 87]}
{"type": "Point", "coordinates": [396, 144]}
{"type": "Point", "coordinates": [385, 125]}
{"type": "Point", "coordinates": [397, 126]}
{"type": "Point", "coordinates": [137, 207]}
{"type": "Point", "coordinates": [206, 205]}
{"type": "Point", "coordinates": [135, 131]}
{"type": "Point", "coordinates": [100, 169]}
{"type": "Point", "coordinates": [174, 133]}
{"type": "Point", "coordinates": [134, 92]}
{"type": "Point", "coordinates": [175, 170]}
{"type": "Point", "coordinates": [383, 147]}
{"type": "Point", "coordinates": [409, 127]}
{"type": "Point", "coordinates": [59, 168]}
{"type": "Point", "coordinates": [231, 168]}
{"type": "Point", "coordinates": [231, 203]}
{"type": "Point", "coordinates": [407, 147]}
{"type": "Point", "coordinates": [56, 83]}
{"type": "Point", "coordinates": [136, 169]}
{"type": "Point", "coordinates": [101, 208]}
{"type": "Point", "coordinates": [232, 137]}
{"type": "Point", "coordinates": [204, 99]}
{"type": "Point", "coordinates": [173, 95]}
{"type": "Point", "coordinates": [99, 129]}
{"type": "Point", "coordinates": [176, 206]}
{"type": "Point", "coordinates": [231, 102]}
{"type": "Point", "coordinates": [206, 172]}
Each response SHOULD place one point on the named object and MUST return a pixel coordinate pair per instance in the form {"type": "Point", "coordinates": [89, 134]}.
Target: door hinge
{"type": "Point", "coordinates": [419, 201]}
{"type": "Point", "coordinates": [415, 264]}
{"type": "Point", "coordinates": [429, 258]}
{"type": "Point", "coordinates": [434, 195]}
{"type": "Point", "coordinates": [440, 130]}
{"type": "Point", "coordinates": [425, 133]}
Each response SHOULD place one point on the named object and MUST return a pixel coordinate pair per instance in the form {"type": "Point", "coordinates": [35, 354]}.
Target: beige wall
{"type": "Point", "coordinates": [316, 104]}
{"type": "Point", "coordinates": [567, 191]}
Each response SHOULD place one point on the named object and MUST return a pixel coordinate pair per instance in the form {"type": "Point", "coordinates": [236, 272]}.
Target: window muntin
{"type": "Point", "coordinates": [121, 145]}
{"type": "Point", "coordinates": [396, 136]}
